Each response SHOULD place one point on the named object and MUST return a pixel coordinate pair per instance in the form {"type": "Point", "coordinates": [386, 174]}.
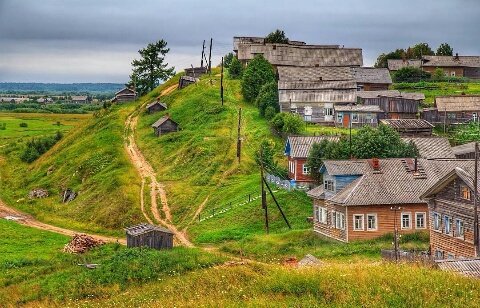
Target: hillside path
{"type": "Point", "coordinates": [27, 220]}
{"type": "Point", "coordinates": [157, 189]}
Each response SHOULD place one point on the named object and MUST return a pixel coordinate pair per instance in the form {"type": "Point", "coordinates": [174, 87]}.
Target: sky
{"type": "Point", "coordinates": [69, 41]}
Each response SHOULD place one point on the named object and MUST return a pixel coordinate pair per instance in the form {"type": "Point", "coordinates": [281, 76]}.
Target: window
{"type": "Point", "coordinates": [459, 228]}
{"type": "Point", "coordinates": [447, 222]}
{"type": "Point", "coordinates": [436, 221]}
{"type": "Point", "coordinates": [329, 111]}
{"type": "Point", "coordinates": [465, 192]}
{"type": "Point", "coordinates": [338, 220]}
{"type": "Point", "coordinates": [371, 222]}
{"type": "Point", "coordinates": [420, 220]}
{"type": "Point", "coordinates": [438, 254]}
{"type": "Point", "coordinates": [358, 222]}
{"type": "Point", "coordinates": [292, 167]}
{"type": "Point", "coordinates": [450, 256]}
{"type": "Point", "coordinates": [355, 117]}
{"type": "Point", "coordinates": [474, 117]}
{"type": "Point", "coordinates": [452, 73]}
{"type": "Point", "coordinates": [293, 110]}
{"type": "Point", "coordinates": [339, 117]}
{"type": "Point", "coordinates": [406, 217]}
{"type": "Point", "coordinates": [328, 185]}
{"type": "Point", "coordinates": [322, 215]}
{"type": "Point", "coordinates": [307, 118]}
{"type": "Point", "coordinates": [306, 170]}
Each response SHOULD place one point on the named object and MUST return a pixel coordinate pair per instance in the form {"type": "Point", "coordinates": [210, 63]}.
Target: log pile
{"type": "Point", "coordinates": [81, 243]}
{"type": "Point", "coordinates": [38, 193]}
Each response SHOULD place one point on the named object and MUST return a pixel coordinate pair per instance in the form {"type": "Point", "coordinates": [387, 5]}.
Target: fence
{"type": "Point", "coordinates": [285, 184]}
{"type": "Point", "coordinates": [407, 256]}
{"type": "Point", "coordinates": [220, 210]}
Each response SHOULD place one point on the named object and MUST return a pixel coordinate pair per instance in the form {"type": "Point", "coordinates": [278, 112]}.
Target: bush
{"type": "Point", "coordinates": [258, 73]}
{"type": "Point", "coordinates": [23, 124]}
{"type": "Point", "coordinates": [36, 147]}
{"type": "Point", "coordinates": [270, 112]}
{"type": "Point", "coordinates": [268, 97]}
{"type": "Point", "coordinates": [227, 60]}
{"type": "Point", "coordinates": [410, 74]}
{"type": "Point", "coordinates": [438, 75]}
{"type": "Point", "coordinates": [235, 69]}
{"type": "Point", "coordinates": [278, 36]}
{"type": "Point", "coordinates": [3, 126]}
{"type": "Point", "coordinates": [288, 123]}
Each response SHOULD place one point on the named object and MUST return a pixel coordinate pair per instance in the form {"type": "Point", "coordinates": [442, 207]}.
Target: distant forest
{"type": "Point", "coordinates": [60, 88]}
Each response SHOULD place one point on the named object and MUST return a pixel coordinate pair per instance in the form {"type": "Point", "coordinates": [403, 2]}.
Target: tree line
{"type": "Point", "coordinates": [416, 51]}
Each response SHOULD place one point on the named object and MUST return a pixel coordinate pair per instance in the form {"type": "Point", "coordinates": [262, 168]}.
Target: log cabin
{"type": "Point", "coordinates": [453, 109]}
{"type": "Point", "coordinates": [156, 106]}
{"type": "Point", "coordinates": [450, 204]}
{"type": "Point", "coordinates": [164, 125]}
{"type": "Point", "coordinates": [395, 104]}
{"type": "Point", "coordinates": [125, 95]}
{"type": "Point", "coordinates": [146, 235]}
{"type": "Point", "coordinates": [358, 198]}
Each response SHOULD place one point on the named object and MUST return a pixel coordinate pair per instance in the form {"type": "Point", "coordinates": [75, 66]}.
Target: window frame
{"type": "Point", "coordinates": [437, 221]}
{"type": "Point", "coordinates": [322, 214]}
{"type": "Point", "coordinates": [409, 220]}
{"type": "Point", "coordinates": [376, 221]}
{"type": "Point", "coordinates": [447, 224]}
{"type": "Point", "coordinates": [355, 216]}
{"type": "Point", "coordinates": [457, 233]}
{"type": "Point", "coordinates": [304, 167]}
{"type": "Point", "coordinates": [328, 111]}
{"type": "Point", "coordinates": [355, 117]}
{"type": "Point", "coordinates": [424, 214]}
{"type": "Point", "coordinates": [468, 191]}
{"type": "Point", "coordinates": [326, 185]}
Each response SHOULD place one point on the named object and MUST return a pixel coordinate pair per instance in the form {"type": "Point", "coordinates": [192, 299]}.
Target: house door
{"type": "Point", "coordinates": [346, 120]}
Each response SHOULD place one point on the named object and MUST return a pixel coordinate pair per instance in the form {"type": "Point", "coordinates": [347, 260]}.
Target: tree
{"type": "Point", "coordinates": [315, 159]}
{"type": "Point", "coordinates": [288, 123]}
{"type": "Point", "coordinates": [227, 59]}
{"type": "Point", "coordinates": [444, 50]}
{"type": "Point", "coordinates": [419, 50]}
{"type": "Point", "coordinates": [438, 74]}
{"type": "Point", "coordinates": [265, 157]}
{"type": "Point", "coordinates": [278, 36]}
{"type": "Point", "coordinates": [151, 68]}
{"type": "Point", "coordinates": [235, 70]}
{"type": "Point", "coordinates": [410, 74]}
{"type": "Point", "coordinates": [382, 59]}
{"type": "Point", "coordinates": [258, 72]}
{"type": "Point", "coordinates": [268, 97]}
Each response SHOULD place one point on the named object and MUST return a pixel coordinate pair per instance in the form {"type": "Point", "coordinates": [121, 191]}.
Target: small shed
{"type": "Point", "coordinates": [410, 127]}
{"type": "Point", "coordinates": [156, 106]}
{"type": "Point", "coordinates": [146, 235]}
{"type": "Point", "coordinates": [185, 81]}
{"type": "Point", "coordinates": [125, 95]}
{"type": "Point", "coordinates": [195, 72]}
{"type": "Point", "coordinates": [165, 125]}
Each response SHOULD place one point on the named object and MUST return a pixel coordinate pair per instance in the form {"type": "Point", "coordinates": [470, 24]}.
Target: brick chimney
{"type": "Point", "coordinates": [375, 162]}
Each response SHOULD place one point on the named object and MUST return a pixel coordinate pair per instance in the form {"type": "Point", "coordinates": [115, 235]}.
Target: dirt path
{"type": "Point", "coordinates": [157, 189]}
{"type": "Point", "coordinates": [27, 220]}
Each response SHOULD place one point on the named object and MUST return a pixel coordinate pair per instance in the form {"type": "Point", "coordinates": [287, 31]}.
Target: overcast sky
{"type": "Point", "coordinates": [96, 40]}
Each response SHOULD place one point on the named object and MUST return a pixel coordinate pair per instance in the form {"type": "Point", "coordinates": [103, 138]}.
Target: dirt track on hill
{"type": "Point", "coordinates": [27, 220]}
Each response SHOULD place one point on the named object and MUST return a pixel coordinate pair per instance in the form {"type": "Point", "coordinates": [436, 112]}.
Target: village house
{"type": "Point", "coordinates": [464, 151]}
{"type": "Point", "coordinates": [156, 106]}
{"type": "Point", "coordinates": [450, 204]}
{"type": "Point", "coordinates": [395, 104]}
{"type": "Point", "coordinates": [453, 109]}
{"type": "Point", "coordinates": [146, 235]}
{"type": "Point", "coordinates": [297, 149]}
{"type": "Point", "coordinates": [164, 125]}
{"type": "Point", "coordinates": [312, 92]}
{"type": "Point", "coordinates": [125, 95]}
{"type": "Point", "coordinates": [396, 64]}
{"type": "Point", "coordinates": [372, 79]}
{"type": "Point", "coordinates": [432, 147]}
{"type": "Point", "coordinates": [364, 199]}
{"type": "Point", "coordinates": [79, 99]}
{"type": "Point", "coordinates": [356, 116]}
{"type": "Point", "coordinates": [410, 127]}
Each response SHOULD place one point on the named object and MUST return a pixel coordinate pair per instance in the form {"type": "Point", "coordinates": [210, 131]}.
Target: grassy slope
{"type": "Point", "coordinates": [91, 160]}
{"type": "Point", "coordinates": [200, 161]}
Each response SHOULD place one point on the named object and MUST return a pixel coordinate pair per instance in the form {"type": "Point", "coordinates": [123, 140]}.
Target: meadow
{"type": "Point", "coordinates": [432, 89]}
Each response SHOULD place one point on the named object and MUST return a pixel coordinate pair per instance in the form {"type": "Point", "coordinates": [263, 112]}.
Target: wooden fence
{"type": "Point", "coordinates": [407, 256]}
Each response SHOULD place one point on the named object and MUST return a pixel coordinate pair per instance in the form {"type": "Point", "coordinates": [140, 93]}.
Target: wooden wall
{"type": "Point", "coordinates": [167, 127]}
{"type": "Point", "coordinates": [153, 239]}
{"type": "Point", "coordinates": [394, 108]}
{"type": "Point", "coordinates": [327, 229]}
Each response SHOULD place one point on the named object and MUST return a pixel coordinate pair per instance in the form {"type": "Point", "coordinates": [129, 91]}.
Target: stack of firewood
{"type": "Point", "coordinates": [81, 243]}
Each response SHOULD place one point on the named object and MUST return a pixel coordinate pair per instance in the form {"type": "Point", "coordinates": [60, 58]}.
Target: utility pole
{"type": "Point", "coordinates": [445, 121]}
{"type": "Point", "coordinates": [264, 194]}
{"type": "Point", "coordinates": [278, 205]}
{"type": "Point", "coordinates": [395, 232]}
{"type": "Point", "coordinates": [475, 204]}
{"type": "Point", "coordinates": [221, 83]}
{"type": "Point", "coordinates": [239, 140]}
{"type": "Point", "coordinates": [210, 57]}
{"type": "Point", "coordinates": [203, 53]}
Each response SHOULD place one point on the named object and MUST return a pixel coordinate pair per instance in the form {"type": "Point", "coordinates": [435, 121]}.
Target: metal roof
{"type": "Point", "coordinates": [454, 103]}
{"type": "Point", "coordinates": [407, 123]}
{"type": "Point", "coordinates": [300, 145]}
{"type": "Point", "coordinates": [466, 267]}
{"type": "Point", "coordinates": [372, 75]}
{"type": "Point", "coordinates": [145, 228]}
{"type": "Point", "coordinates": [432, 147]}
{"type": "Point", "coordinates": [464, 148]}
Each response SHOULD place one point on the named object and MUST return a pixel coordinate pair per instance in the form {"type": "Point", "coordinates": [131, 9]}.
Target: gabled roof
{"type": "Point", "coordinates": [344, 167]}
{"type": "Point", "coordinates": [317, 192]}
{"type": "Point", "coordinates": [162, 120]}
{"type": "Point", "coordinates": [451, 61]}
{"type": "Point", "coordinates": [466, 267]}
{"type": "Point", "coordinates": [156, 103]}
{"type": "Point", "coordinates": [432, 147]}
{"type": "Point", "coordinates": [299, 146]}
{"type": "Point", "coordinates": [465, 173]}
{"type": "Point", "coordinates": [464, 148]}
{"type": "Point", "coordinates": [144, 228]}
{"type": "Point", "coordinates": [358, 108]}
{"type": "Point", "coordinates": [454, 103]}
{"type": "Point", "coordinates": [372, 75]}
{"type": "Point", "coordinates": [396, 64]}
{"type": "Point", "coordinates": [125, 91]}
{"type": "Point", "coordinates": [407, 123]}
{"type": "Point", "coordinates": [314, 73]}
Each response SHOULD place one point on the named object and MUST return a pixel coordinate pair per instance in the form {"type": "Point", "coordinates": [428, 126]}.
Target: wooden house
{"type": "Point", "coordinates": [125, 95]}
{"type": "Point", "coordinates": [368, 198]}
{"type": "Point", "coordinates": [432, 147]}
{"type": "Point", "coordinates": [312, 92]}
{"type": "Point", "coordinates": [464, 151]}
{"type": "Point", "coordinates": [356, 116]}
{"type": "Point", "coordinates": [453, 109]}
{"type": "Point", "coordinates": [185, 81]}
{"type": "Point", "coordinates": [410, 127]}
{"type": "Point", "coordinates": [146, 235]}
{"type": "Point", "coordinates": [450, 204]}
{"type": "Point", "coordinates": [372, 79]}
{"type": "Point", "coordinates": [156, 106]}
{"type": "Point", "coordinates": [297, 149]}
{"type": "Point", "coordinates": [396, 105]}
{"type": "Point", "coordinates": [79, 99]}
{"type": "Point", "coordinates": [165, 125]}
{"type": "Point", "coordinates": [396, 64]}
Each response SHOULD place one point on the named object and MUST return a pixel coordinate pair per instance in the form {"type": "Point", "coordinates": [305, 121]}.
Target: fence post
{"type": "Point", "coordinates": [213, 212]}
{"type": "Point", "coordinates": [249, 198]}
{"type": "Point", "coordinates": [199, 217]}
{"type": "Point", "coordinates": [230, 204]}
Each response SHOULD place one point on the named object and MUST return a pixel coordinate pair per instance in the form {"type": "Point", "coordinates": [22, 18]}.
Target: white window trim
{"type": "Point", "coordinates": [450, 224]}
{"type": "Point", "coordinates": [437, 215]}
{"type": "Point", "coordinates": [424, 220]}
{"type": "Point", "coordinates": [409, 219]}
{"type": "Point", "coordinates": [354, 222]}
{"type": "Point", "coordinates": [304, 167]}
{"type": "Point", "coordinates": [376, 222]}
{"type": "Point", "coordinates": [322, 215]}
{"type": "Point", "coordinates": [462, 236]}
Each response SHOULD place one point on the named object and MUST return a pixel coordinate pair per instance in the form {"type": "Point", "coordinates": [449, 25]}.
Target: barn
{"type": "Point", "coordinates": [156, 106]}
{"type": "Point", "coordinates": [146, 235]}
{"type": "Point", "coordinates": [165, 125]}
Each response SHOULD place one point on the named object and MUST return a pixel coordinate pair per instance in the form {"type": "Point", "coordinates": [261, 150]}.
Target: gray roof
{"type": "Point", "coordinates": [155, 103]}
{"type": "Point", "coordinates": [336, 95]}
{"type": "Point", "coordinates": [372, 75]}
{"type": "Point", "coordinates": [466, 267]}
{"type": "Point", "coordinates": [314, 73]}
{"type": "Point", "coordinates": [391, 93]}
{"type": "Point", "coordinates": [464, 148]}
{"type": "Point", "coordinates": [238, 40]}
{"type": "Point", "coordinates": [407, 123]}
{"type": "Point", "coordinates": [432, 147]}
{"type": "Point", "coordinates": [465, 173]}
{"type": "Point", "coordinates": [316, 192]}
{"type": "Point", "coordinates": [144, 228]}
{"type": "Point", "coordinates": [358, 108]}
{"type": "Point", "coordinates": [396, 182]}
{"type": "Point", "coordinates": [79, 97]}
{"type": "Point", "coordinates": [451, 61]}
{"type": "Point", "coordinates": [300, 145]}
{"type": "Point", "coordinates": [396, 64]}
{"type": "Point", "coordinates": [458, 103]}
{"type": "Point", "coordinates": [302, 55]}
{"type": "Point", "coordinates": [162, 120]}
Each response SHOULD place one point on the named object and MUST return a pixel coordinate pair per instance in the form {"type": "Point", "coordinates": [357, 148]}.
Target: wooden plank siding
{"type": "Point", "coordinates": [394, 108]}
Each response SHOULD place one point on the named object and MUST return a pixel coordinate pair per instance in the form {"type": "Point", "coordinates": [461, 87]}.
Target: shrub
{"type": "Point", "coordinates": [278, 36]}
{"type": "Point", "coordinates": [227, 60]}
{"type": "Point", "coordinates": [288, 123]}
{"type": "Point", "coordinates": [268, 97]}
{"type": "Point", "coordinates": [36, 147]}
{"type": "Point", "coordinates": [410, 74]}
{"type": "Point", "coordinates": [270, 112]}
{"type": "Point", "coordinates": [438, 75]}
{"type": "Point", "coordinates": [258, 73]}
{"type": "Point", "coordinates": [3, 126]}
{"type": "Point", "coordinates": [235, 69]}
{"type": "Point", "coordinates": [23, 124]}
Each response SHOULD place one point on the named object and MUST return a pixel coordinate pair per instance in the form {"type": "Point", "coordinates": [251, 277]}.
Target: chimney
{"type": "Point", "coordinates": [376, 164]}
{"type": "Point", "coordinates": [456, 57]}
{"type": "Point", "coordinates": [415, 167]}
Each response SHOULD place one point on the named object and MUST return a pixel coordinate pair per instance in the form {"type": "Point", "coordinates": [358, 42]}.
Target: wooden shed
{"type": "Point", "coordinates": [146, 235]}
{"type": "Point", "coordinates": [396, 105]}
{"type": "Point", "coordinates": [410, 127]}
{"type": "Point", "coordinates": [156, 106]}
{"type": "Point", "coordinates": [125, 95]}
{"type": "Point", "coordinates": [195, 72]}
{"type": "Point", "coordinates": [454, 109]}
{"type": "Point", "coordinates": [165, 125]}
{"type": "Point", "coordinates": [185, 81]}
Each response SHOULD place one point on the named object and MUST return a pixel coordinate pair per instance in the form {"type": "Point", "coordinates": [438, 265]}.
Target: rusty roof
{"type": "Point", "coordinates": [372, 75]}
{"type": "Point", "coordinates": [454, 103]}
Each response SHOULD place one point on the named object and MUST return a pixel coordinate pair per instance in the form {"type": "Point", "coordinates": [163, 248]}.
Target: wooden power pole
{"type": "Point", "coordinates": [264, 193]}
{"type": "Point", "coordinates": [475, 204]}
{"type": "Point", "coordinates": [203, 53]}
{"type": "Point", "coordinates": [210, 57]}
{"type": "Point", "coordinates": [221, 83]}
{"type": "Point", "coordinates": [239, 140]}
{"type": "Point", "coordinates": [395, 232]}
